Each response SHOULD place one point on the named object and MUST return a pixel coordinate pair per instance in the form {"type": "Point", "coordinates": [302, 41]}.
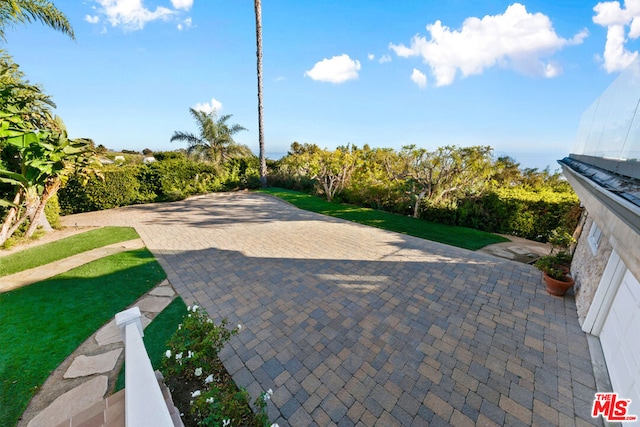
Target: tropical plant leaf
{"type": "Point", "coordinates": [7, 204]}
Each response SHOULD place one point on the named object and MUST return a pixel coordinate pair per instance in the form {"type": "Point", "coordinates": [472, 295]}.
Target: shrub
{"type": "Point", "coordinates": [192, 358]}
{"type": "Point", "coordinates": [52, 212]}
{"type": "Point", "coordinates": [518, 211]}
{"type": "Point", "coordinates": [168, 155]}
{"type": "Point", "coordinates": [120, 187]}
{"type": "Point", "coordinates": [176, 179]}
{"type": "Point", "coordinates": [242, 173]}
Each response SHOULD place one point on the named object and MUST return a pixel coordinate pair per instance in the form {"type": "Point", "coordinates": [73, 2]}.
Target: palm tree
{"type": "Point", "coordinates": [215, 139]}
{"type": "Point", "coordinates": [263, 159]}
{"type": "Point", "coordinates": [25, 11]}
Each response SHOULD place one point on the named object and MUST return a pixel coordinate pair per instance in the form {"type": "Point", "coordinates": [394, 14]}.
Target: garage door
{"type": "Point", "coordinates": [620, 339]}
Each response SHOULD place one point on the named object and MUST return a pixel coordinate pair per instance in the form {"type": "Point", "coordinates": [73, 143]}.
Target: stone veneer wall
{"type": "Point", "coordinates": [587, 269]}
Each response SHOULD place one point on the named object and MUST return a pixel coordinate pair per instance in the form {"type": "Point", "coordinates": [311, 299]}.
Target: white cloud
{"type": "Point", "coordinates": [611, 15]}
{"type": "Point", "coordinates": [371, 57]}
{"type": "Point", "coordinates": [132, 15]}
{"type": "Point", "coordinates": [92, 19]}
{"type": "Point", "coordinates": [419, 78]}
{"type": "Point", "coordinates": [182, 4]}
{"type": "Point", "coordinates": [338, 69]}
{"type": "Point", "coordinates": [384, 58]}
{"type": "Point", "coordinates": [515, 39]}
{"type": "Point", "coordinates": [208, 107]}
{"type": "Point", "coordinates": [185, 24]}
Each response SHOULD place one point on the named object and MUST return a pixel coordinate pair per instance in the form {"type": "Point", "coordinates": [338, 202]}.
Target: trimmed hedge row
{"type": "Point", "coordinates": [515, 211]}
{"type": "Point", "coordinates": [160, 181]}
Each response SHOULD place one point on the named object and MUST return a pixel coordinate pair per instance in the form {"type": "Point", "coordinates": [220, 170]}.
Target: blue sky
{"type": "Point", "coordinates": [515, 76]}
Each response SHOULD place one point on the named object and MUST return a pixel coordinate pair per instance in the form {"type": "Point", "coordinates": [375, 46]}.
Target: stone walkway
{"type": "Point", "coordinates": [352, 325]}
{"type": "Point", "coordinates": [74, 394]}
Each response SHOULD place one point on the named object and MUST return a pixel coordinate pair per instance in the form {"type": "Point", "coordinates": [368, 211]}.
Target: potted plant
{"type": "Point", "coordinates": [555, 266]}
{"type": "Point", "coordinates": [555, 276]}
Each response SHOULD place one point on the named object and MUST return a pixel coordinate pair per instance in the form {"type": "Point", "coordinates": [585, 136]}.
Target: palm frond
{"type": "Point", "coordinates": [27, 11]}
{"type": "Point", "coordinates": [187, 137]}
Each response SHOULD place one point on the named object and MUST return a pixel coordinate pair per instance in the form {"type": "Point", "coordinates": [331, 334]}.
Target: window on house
{"type": "Point", "coordinates": [595, 234]}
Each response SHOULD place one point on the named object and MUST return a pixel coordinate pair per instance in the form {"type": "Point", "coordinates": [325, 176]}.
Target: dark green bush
{"type": "Point", "coordinates": [168, 155]}
{"type": "Point", "coordinates": [163, 180]}
{"type": "Point", "coordinates": [516, 211]}
{"type": "Point", "coordinates": [120, 187]}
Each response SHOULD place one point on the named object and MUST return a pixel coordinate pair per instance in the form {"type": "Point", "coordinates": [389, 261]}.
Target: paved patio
{"type": "Point", "coordinates": [357, 326]}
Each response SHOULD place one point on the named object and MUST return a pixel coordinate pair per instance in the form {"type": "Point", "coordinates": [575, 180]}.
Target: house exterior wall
{"type": "Point", "coordinates": [616, 234]}
{"type": "Point", "coordinates": [587, 269]}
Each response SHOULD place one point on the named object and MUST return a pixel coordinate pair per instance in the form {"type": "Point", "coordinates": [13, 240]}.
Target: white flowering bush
{"type": "Point", "coordinates": [192, 361]}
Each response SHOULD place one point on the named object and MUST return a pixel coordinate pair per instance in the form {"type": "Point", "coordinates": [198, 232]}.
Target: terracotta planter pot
{"type": "Point", "coordinates": [557, 287]}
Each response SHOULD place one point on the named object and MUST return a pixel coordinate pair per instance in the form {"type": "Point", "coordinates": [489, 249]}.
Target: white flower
{"type": "Point", "coordinates": [267, 395]}
{"type": "Point", "coordinates": [179, 356]}
{"type": "Point", "coordinates": [168, 353]}
{"type": "Point", "coordinates": [198, 372]}
{"type": "Point", "coordinates": [239, 327]}
{"type": "Point", "coordinates": [209, 321]}
{"type": "Point", "coordinates": [195, 393]}
{"type": "Point", "coordinates": [180, 326]}
{"type": "Point", "coordinates": [190, 354]}
{"type": "Point", "coordinates": [209, 379]}
{"type": "Point", "coordinates": [194, 308]}
{"type": "Point", "coordinates": [275, 425]}
{"type": "Point", "coordinates": [209, 400]}
{"type": "Point", "coordinates": [188, 308]}
{"type": "Point", "coordinates": [226, 423]}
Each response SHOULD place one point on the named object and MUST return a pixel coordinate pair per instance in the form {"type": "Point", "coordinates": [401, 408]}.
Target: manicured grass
{"type": "Point", "coordinates": [456, 236]}
{"type": "Point", "coordinates": [158, 333]}
{"type": "Point", "coordinates": [63, 248]}
{"type": "Point", "coordinates": [45, 322]}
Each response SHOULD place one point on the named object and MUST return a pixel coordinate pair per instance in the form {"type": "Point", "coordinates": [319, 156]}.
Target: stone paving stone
{"type": "Point", "coordinates": [345, 313]}
{"type": "Point", "coordinates": [110, 333]}
{"type": "Point", "coordinates": [162, 291]}
{"type": "Point", "coordinates": [72, 402]}
{"type": "Point", "coordinates": [83, 366]}
{"type": "Point", "coordinates": [153, 304]}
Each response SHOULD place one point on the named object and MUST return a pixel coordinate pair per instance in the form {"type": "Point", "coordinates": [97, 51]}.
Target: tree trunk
{"type": "Point", "coordinates": [49, 191]}
{"type": "Point", "coordinates": [9, 219]}
{"type": "Point", "coordinates": [11, 223]}
{"type": "Point", "coordinates": [263, 158]}
{"type": "Point", "coordinates": [416, 208]}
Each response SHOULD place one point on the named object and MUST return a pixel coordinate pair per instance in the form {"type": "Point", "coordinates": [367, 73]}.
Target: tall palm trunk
{"type": "Point", "coordinates": [263, 159]}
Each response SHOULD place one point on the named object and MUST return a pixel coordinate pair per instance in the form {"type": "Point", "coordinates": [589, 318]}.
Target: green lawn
{"type": "Point", "coordinates": [158, 333]}
{"type": "Point", "coordinates": [455, 236]}
{"type": "Point", "coordinates": [45, 322]}
{"type": "Point", "coordinates": [63, 248]}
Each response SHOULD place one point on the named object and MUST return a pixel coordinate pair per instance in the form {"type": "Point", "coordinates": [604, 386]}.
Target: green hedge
{"type": "Point", "coordinates": [516, 211]}
{"type": "Point", "coordinates": [120, 187]}
{"type": "Point", "coordinates": [172, 179]}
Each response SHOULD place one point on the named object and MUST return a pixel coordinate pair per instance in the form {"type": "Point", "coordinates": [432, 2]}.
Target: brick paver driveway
{"type": "Point", "coordinates": [357, 326]}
